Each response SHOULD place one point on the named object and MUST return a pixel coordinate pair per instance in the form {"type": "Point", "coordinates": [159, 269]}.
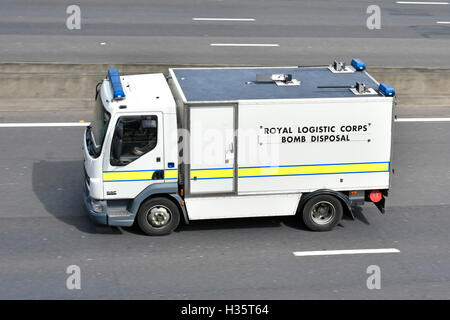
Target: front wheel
{"type": "Point", "coordinates": [158, 216]}
{"type": "Point", "coordinates": [322, 213]}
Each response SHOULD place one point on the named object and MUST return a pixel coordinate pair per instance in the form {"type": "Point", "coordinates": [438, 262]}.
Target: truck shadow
{"type": "Point", "coordinates": [296, 222]}
{"type": "Point", "coordinates": [58, 186]}
{"type": "Point", "coordinates": [293, 222]}
{"type": "Point", "coordinates": [219, 224]}
{"type": "Point", "coordinates": [358, 212]}
{"type": "Point", "coordinates": [233, 223]}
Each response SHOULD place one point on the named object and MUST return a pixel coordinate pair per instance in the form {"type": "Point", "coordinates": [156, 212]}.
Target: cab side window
{"type": "Point", "coordinates": [133, 137]}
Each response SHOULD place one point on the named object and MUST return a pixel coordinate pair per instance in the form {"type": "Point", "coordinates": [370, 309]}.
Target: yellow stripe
{"type": "Point", "coordinates": [251, 172]}
{"type": "Point", "coordinates": [294, 170]}
{"type": "Point", "coordinates": [170, 174]}
{"type": "Point", "coordinates": [136, 175]}
{"type": "Point", "coordinates": [317, 169]}
{"type": "Point", "coordinates": [213, 173]}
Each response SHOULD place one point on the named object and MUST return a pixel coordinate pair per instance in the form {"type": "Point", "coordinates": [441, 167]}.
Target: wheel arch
{"type": "Point", "coordinates": [339, 195]}
{"type": "Point", "coordinates": [165, 190]}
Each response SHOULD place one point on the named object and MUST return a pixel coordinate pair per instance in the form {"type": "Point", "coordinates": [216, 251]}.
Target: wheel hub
{"type": "Point", "coordinates": [159, 216]}
{"type": "Point", "coordinates": [323, 212]}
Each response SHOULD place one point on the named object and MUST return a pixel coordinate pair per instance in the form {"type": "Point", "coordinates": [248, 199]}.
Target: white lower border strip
{"type": "Point", "coordinates": [420, 2]}
{"type": "Point", "coordinates": [44, 124]}
{"type": "Point", "coordinates": [422, 119]}
{"type": "Point", "coordinates": [244, 45]}
{"type": "Point", "coordinates": [223, 19]}
{"type": "Point", "coordinates": [341, 252]}
{"type": "Point", "coordinates": [85, 124]}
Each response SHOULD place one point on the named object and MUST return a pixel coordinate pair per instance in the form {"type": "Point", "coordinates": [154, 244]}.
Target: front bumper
{"type": "Point", "coordinates": [118, 216]}
{"type": "Point", "coordinates": [97, 217]}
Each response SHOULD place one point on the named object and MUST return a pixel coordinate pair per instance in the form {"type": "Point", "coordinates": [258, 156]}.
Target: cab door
{"type": "Point", "coordinates": [134, 157]}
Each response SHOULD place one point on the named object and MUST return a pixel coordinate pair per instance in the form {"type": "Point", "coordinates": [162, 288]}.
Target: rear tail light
{"type": "Point", "coordinates": [375, 196]}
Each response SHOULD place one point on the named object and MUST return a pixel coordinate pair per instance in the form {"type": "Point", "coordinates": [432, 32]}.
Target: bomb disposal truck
{"type": "Point", "coordinates": [216, 143]}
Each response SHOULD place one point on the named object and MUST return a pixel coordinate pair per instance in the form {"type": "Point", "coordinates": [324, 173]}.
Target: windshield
{"type": "Point", "coordinates": [98, 127]}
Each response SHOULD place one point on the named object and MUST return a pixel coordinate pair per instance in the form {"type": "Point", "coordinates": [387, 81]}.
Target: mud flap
{"type": "Point", "coordinates": [343, 198]}
{"type": "Point", "coordinates": [380, 205]}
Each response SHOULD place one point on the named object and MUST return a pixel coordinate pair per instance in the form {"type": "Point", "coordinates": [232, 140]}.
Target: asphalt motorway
{"type": "Point", "coordinates": [44, 229]}
{"type": "Point", "coordinates": [182, 32]}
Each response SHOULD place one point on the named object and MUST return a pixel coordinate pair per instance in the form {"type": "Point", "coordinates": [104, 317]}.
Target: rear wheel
{"type": "Point", "coordinates": [158, 216]}
{"type": "Point", "coordinates": [322, 213]}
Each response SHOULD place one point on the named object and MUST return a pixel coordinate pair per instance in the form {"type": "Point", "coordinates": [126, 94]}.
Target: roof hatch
{"type": "Point", "coordinates": [280, 79]}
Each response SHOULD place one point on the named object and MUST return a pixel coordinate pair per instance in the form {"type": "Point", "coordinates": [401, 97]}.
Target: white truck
{"type": "Point", "coordinates": [214, 143]}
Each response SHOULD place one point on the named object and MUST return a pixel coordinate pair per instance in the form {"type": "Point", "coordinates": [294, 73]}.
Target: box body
{"type": "Point", "coordinates": [250, 139]}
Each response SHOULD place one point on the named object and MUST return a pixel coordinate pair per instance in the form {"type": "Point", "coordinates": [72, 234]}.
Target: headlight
{"type": "Point", "coordinates": [96, 206]}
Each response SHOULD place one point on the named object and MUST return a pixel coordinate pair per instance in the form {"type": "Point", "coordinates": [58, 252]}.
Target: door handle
{"type": "Point", "coordinates": [229, 152]}
{"type": "Point", "coordinates": [231, 149]}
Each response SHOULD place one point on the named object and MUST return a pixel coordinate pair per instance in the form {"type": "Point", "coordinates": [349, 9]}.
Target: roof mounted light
{"type": "Point", "coordinates": [339, 65]}
{"type": "Point", "coordinates": [358, 64]}
{"type": "Point", "coordinates": [386, 90]}
{"type": "Point", "coordinates": [359, 88]}
{"type": "Point", "coordinates": [114, 78]}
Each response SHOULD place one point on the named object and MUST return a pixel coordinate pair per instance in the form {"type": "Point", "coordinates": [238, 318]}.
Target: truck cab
{"type": "Point", "coordinates": [130, 147]}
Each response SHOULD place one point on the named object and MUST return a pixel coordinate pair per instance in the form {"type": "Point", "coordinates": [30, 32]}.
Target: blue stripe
{"type": "Point", "coordinates": [212, 178]}
{"type": "Point", "coordinates": [140, 170]}
{"type": "Point", "coordinates": [262, 176]}
{"type": "Point", "coordinates": [313, 165]}
{"type": "Point", "coordinates": [213, 169]}
{"type": "Point", "coordinates": [285, 166]}
{"type": "Point", "coordinates": [140, 180]}
{"type": "Point", "coordinates": [309, 174]}
{"type": "Point", "coordinates": [290, 175]}
{"type": "Point", "coordinates": [132, 180]}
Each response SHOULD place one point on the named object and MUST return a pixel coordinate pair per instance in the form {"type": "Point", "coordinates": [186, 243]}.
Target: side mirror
{"type": "Point", "coordinates": [97, 90]}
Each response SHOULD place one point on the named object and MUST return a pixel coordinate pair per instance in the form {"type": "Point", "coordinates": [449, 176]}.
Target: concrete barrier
{"type": "Point", "coordinates": [54, 86]}
{"type": "Point", "coordinates": [417, 87]}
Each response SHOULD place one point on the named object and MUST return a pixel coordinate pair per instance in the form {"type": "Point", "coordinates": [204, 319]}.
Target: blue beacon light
{"type": "Point", "coordinates": [386, 90]}
{"type": "Point", "coordinates": [114, 78]}
{"type": "Point", "coordinates": [358, 64]}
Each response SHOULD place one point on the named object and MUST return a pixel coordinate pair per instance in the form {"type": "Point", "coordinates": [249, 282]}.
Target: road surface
{"type": "Point", "coordinates": [44, 229]}
{"type": "Point", "coordinates": [187, 31]}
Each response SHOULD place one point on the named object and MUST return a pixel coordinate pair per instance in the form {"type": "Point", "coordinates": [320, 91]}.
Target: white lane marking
{"type": "Point", "coordinates": [341, 252]}
{"type": "Point", "coordinates": [422, 119]}
{"type": "Point", "coordinates": [244, 45]}
{"type": "Point", "coordinates": [443, 22]}
{"type": "Point", "coordinates": [420, 2]}
{"type": "Point", "coordinates": [223, 19]}
{"type": "Point", "coordinates": [85, 124]}
{"type": "Point", "coordinates": [44, 124]}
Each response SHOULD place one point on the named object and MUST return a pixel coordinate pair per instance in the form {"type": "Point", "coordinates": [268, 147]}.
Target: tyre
{"type": "Point", "coordinates": [158, 216]}
{"type": "Point", "coordinates": [322, 213]}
